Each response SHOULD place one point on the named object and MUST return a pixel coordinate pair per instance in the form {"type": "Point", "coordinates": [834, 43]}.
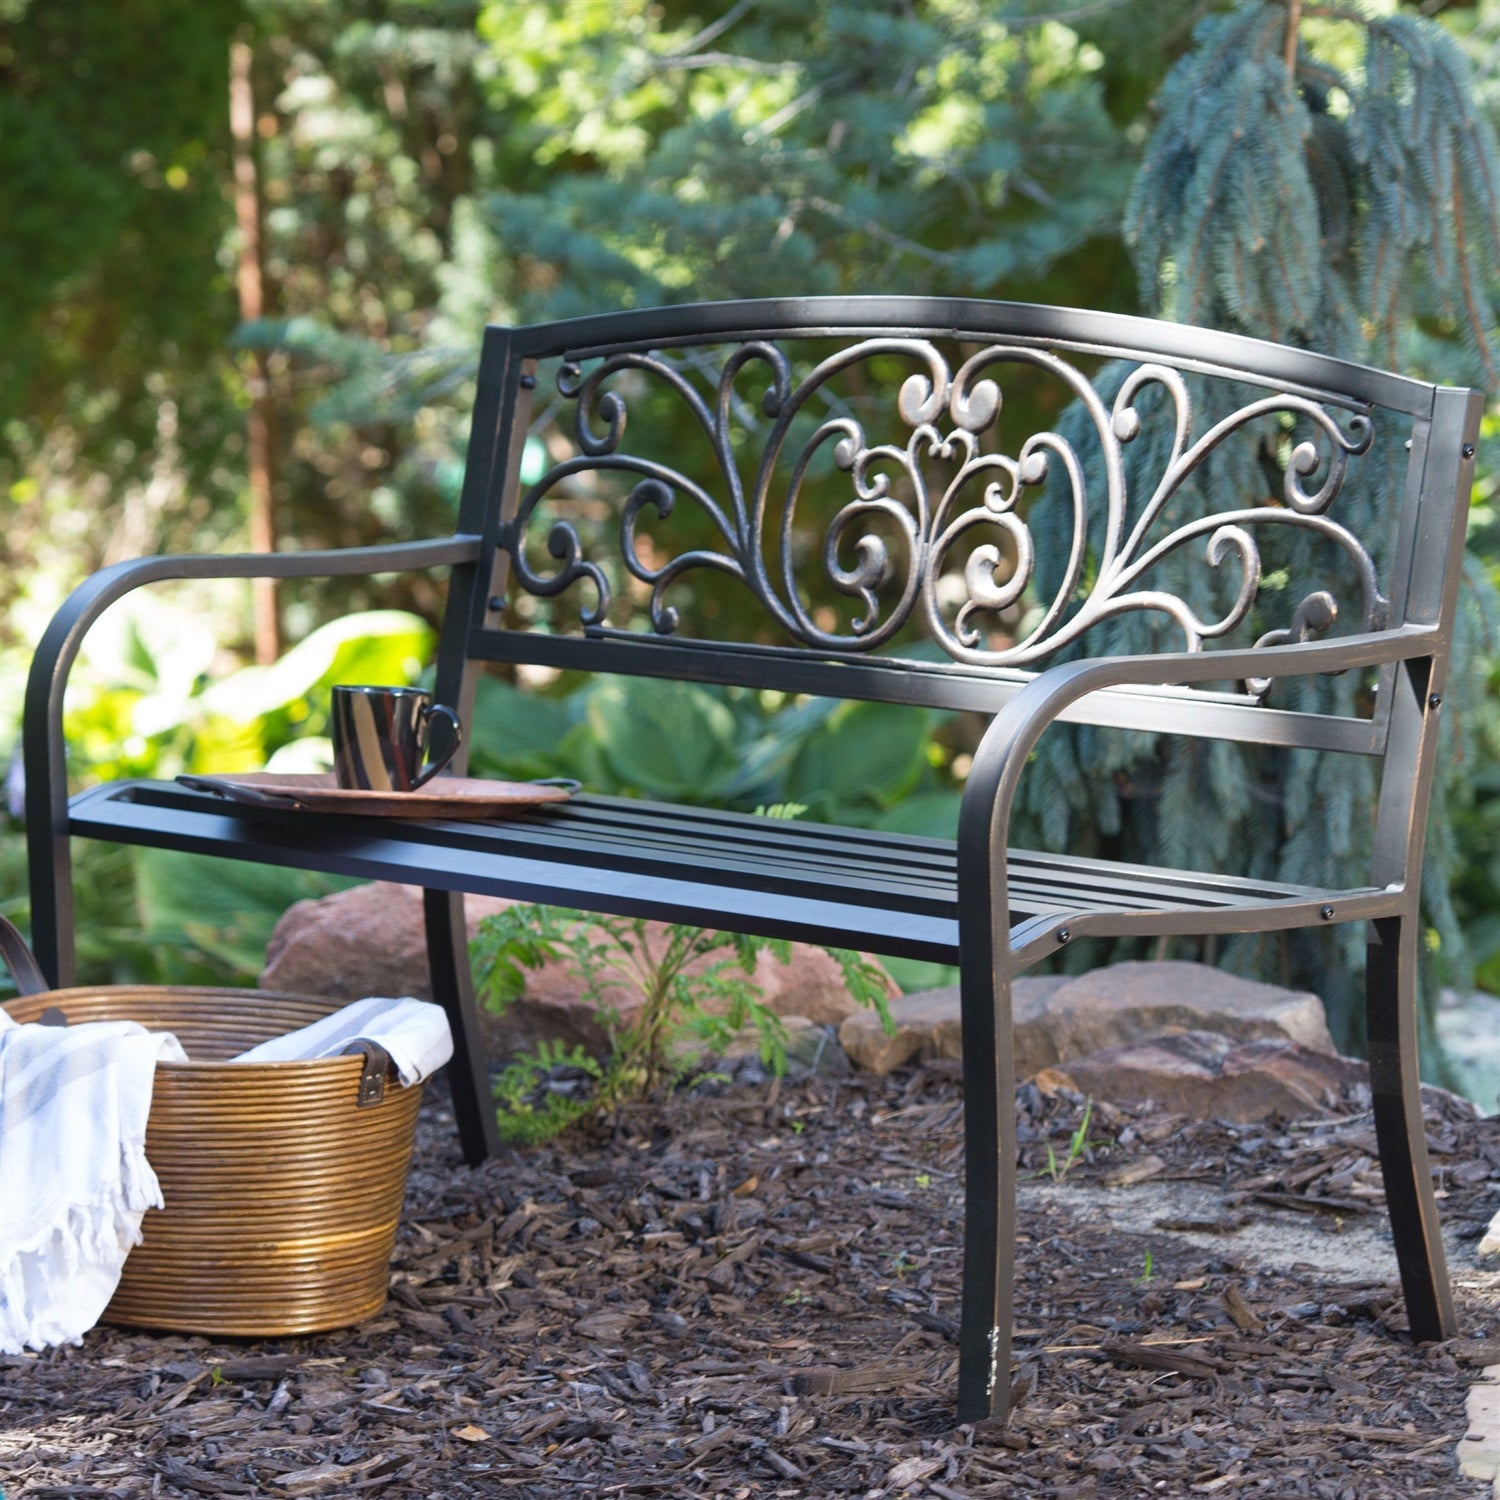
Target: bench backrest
{"type": "Point", "coordinates": [928, 500]}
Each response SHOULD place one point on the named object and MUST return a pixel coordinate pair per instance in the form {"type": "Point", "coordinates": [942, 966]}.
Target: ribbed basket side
{"type": "Point", "coordinates": [283, 1197]}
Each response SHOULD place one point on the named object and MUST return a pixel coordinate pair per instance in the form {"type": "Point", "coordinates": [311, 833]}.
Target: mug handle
{"type": "Point", "coordinates": [457, 730]}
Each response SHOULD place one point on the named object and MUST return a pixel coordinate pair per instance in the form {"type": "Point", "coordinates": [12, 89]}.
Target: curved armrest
{"type": "Point", "coordinates": [984, 823]}
{"type": "Point", "coordinates": [43, 751]}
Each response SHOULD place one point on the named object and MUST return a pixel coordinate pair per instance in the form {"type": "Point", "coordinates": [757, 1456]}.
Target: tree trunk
{"type": "Point", "coordinates": [260, 422]}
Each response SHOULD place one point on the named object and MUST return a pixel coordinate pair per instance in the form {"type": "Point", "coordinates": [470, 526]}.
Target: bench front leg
{"type": "Point", "coordinates": [989, 1179]}
{"type": "Point", "coordinates": [986, 969]}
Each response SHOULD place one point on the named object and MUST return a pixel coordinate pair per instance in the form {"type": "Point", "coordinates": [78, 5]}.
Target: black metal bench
{"type": "Point", "coordinates": [887, 412]}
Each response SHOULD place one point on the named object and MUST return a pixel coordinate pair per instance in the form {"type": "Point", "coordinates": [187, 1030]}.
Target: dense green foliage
{"type": "Point", "coordinates": [425, 165]}
{"type": "Point", "coordinates": [118, 427]}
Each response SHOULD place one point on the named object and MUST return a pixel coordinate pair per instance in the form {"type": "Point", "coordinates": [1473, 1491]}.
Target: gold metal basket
{"type": "Point", "coordinates": [283, 1190]}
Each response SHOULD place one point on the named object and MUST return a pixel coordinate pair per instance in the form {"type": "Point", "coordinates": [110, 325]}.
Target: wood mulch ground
{"type": "Point", "coordinates": [752, 1294]}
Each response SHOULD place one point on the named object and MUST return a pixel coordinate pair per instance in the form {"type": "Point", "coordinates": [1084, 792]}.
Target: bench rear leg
{"type": "Point", "coordinates": [989, 1194]}
{"type": "Point", "coordinates": [1391, 1011]}
{"type": "Point", "coordinates": [453, 989]}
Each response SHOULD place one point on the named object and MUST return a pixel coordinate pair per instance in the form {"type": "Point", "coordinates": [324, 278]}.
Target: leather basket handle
{"type": "Point", "coordinates": [18, 958]}
{"type": "Point", "coordinates": [372, 1078]}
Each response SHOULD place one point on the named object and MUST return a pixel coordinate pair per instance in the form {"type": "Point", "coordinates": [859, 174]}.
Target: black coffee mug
{"type": "Point", "coordinates": [381, 736]}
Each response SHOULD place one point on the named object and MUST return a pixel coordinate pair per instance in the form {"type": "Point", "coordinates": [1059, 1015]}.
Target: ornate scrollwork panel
{"type": "Point", "coordinates": [935, 527]}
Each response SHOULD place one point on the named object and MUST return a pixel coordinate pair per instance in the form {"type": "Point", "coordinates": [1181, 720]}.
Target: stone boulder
{"type": "Point", "coordinates": [1210, 1076]}
{"type": "Point", "coordinates": [369, 941]}
{"type": "Point", "coordinates": [1124, 1002]}
{"type": "Point", "coordinates": [1061, 1017]}
{"type": "Point", "coordinates": [927, 1026]}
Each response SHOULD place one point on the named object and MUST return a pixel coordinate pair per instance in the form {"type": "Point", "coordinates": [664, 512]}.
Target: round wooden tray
{"type": "Point", "coordinates": [446, 797]}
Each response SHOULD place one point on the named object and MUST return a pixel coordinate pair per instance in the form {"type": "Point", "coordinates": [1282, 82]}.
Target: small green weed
{"type": "Point", "coordinates": [1078, 1144]}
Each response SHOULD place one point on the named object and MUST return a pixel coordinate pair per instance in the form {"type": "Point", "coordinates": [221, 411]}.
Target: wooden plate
{"type": "Point", "coordinates": [445, 797]}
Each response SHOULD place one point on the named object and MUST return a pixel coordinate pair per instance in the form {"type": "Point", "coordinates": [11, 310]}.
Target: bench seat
{"type": "Point", "coordinates": [893, 894]}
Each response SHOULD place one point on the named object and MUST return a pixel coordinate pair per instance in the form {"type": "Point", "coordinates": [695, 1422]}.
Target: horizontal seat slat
{"type": "Point", "coordinates": [821, 883]}
{"type": "Point", "coordinates": [827, 857]}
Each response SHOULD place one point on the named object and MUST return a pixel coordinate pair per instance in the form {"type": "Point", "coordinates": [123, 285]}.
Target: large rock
{"type": "Point", "coordinates": [1124, 1002]}
{"type": "Point", "coordinates": [927, 1026]}
{"type": "Point", "coordinates": [1059, 1018]}
{"type": "Point", "coordinates": [810, 985]}
{"type": "Point", "coordinates": [369, 941]}
{"type": "Point", "coordinates": [1206, 1075]}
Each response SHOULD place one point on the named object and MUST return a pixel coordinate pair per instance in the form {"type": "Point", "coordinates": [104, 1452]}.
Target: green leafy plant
{"type": "Point", "coordinates": [147, 700]}
{"type": "Point", "coordinates": [1078, 1145]}
{"type": "Point", "coordinates": [531, 1106]}
{"type": "Point", "coordinates": [681, 996]}
{"type": "Point", "coordinates": [144, 700]}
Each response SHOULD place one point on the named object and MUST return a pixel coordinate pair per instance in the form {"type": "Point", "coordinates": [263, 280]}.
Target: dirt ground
{"type": "Point", "coordinates": [751, 1292]}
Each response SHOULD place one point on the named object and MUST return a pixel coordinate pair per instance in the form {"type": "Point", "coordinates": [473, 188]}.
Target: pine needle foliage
{"type": "Point", "coordinates": [1339, 206]}
{"type": "Point", "coordinates": [1346, 205]}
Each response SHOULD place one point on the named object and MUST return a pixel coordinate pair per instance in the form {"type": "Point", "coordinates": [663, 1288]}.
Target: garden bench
{"type": "Point", "coordinates": [926, 578]}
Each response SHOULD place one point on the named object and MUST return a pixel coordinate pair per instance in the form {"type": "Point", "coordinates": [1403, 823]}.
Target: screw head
{"type": "Point", "coordinates": [1434, 700]}
{"type": "Point", "coordinates": [1468, 450]}
{"type": "Point", "coordinates": [1063, 934]}
{"type": "Point", "coordinates": [1326, 913]}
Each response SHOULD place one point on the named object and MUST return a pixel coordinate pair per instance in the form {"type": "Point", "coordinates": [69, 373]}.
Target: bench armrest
{"type": "Point", "coordinates": [59, 646]}
{"type": "Point", "coordinates": [44, 754]}
{"type": "Point", "coordinates": [989, 792]}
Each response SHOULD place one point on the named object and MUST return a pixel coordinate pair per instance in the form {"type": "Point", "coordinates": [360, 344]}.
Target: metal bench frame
{"type": "Point", "coordinates": [993, 910]}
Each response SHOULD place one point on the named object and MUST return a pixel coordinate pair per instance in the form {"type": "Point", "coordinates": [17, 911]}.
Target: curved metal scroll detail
{"type": "Point", "coordinates": [945, 414]}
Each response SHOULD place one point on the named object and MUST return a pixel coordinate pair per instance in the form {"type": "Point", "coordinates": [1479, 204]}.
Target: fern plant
{"type": "Point", "coordinates": [679, 999]}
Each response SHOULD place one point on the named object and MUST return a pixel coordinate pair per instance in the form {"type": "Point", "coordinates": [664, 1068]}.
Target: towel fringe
{"type": "Point", "coordinates": [74, 1104]}
{"type": "Point", "coordinates": [35, 1282]}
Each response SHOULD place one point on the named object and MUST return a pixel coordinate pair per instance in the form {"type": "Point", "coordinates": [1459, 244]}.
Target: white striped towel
{"type": "Point", "coordinates": [74, 1179]}
{"type": "Point", "coordinates": [414, 1032]}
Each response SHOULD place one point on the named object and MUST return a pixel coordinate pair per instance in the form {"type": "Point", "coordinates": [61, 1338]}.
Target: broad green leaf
{"type": "Point", "coordinates": [218, 909]}
{"type": "Point", "coordinates": [666, 739]}
{"type": "Point", "coordinates": [866, 752]}
{"type": "Point", "coordinates": [515, 733]}
{"type": "Point", "coordinates": [384, 647]}
{"type": "Point", "coordinates": [931, 814]}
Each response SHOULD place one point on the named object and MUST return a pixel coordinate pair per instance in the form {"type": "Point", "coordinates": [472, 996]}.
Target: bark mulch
{"type": "Point", "coordinates": [752, 1293]}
